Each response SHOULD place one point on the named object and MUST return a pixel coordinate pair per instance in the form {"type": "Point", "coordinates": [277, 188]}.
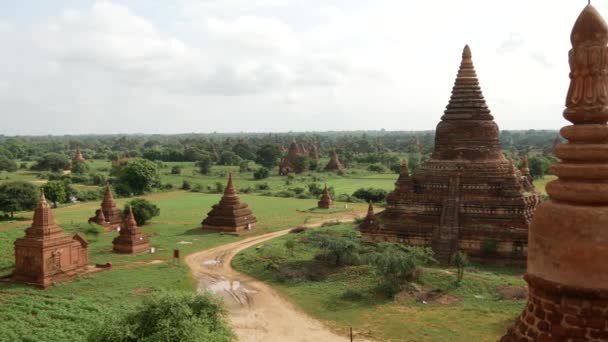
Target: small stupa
{"type": "Point", "coordinates": [313, 152]}
{"type": "Point", "coordinates": [109, 216]}
{"type": "Point", "coordinates": [325, 202]}
{"type": "Point", "coordinates": [47, 255]}
{"type": "Point", "coordinates": [334, 163]}
{"type": "Point", "coordinates": [527, 182]}
{"type": "Point", "coordinates": [230, 214]}
{"type": "Point", "coordinates": [78, 157]}
{"type": "Point", "coordinates": [131, 239]}
{"type": "Point", "coordinates": [369, 222]}
{"type": "Point", "coordinates": [567, 272]}
{"type": "Point", "coordinates": [288, 164]}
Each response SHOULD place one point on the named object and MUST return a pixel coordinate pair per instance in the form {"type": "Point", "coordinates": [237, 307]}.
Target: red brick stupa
{"type": "Point", "coordinates": [313, 152]}
{"type": "Point", "coordinates": [109, 216]}
{"type": "Point", "coordinates": [47, 255]}
{"type": "Point", "coordinates": [568, 245]}
{"type": "Point", "coordinates": [334, 163]}
{"type": "Point", "coordinates": [131, 239]}
{"type": "Point", "coordinates": [78, 157]}
{"type": "Point", "coordinates": [369, 222]}
{"type": "Point", "coordinates": [467, 195]}
{"type": "Point", "coordinates": [325, 202]}
{"type": "Point", "coordinates": [230, 215]}
{"type": "Point", "coordinates": [288, 164]}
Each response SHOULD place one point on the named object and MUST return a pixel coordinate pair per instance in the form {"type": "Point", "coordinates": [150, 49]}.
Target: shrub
{"type": "Point", "coordinates": [371, 195]}
{"type": "Point", "coordinates": [339, 249]}
{"type": "Point", "coordinates": [229, 158]}
{"type": "Point", "coordinates": [136, 176]}
{"type": "Point", "coordinates": [176, 170]}
{"type": "Point", "coordinates": [244, 166]}
{"type": "Point", "coordinates": [186, 185]}
{"type": "Point", "coordinates": [302, 164]}
{"type": "Point", "coordinates": [18, 196]}
{"type": "Point", "coordinates": [219, 187]}
{"type": "Point", "coordinates": [204, 165]}
{"type": "Point", "coordinates": [261, 173]}
{"type": "Point", "coordinates": [143, 210]}
{"type": "Point", "coordinates": [80, 167]}
{"type": "Point", "coordinates": [7, 164]}
{"type": "Point", "coordinates": [376, 168]}
{"type": "Point", "coordinates": [262, 186]}
{"type": "Point", "coordinates": [461, 261]}
{"type": "Point", "coordinates": [168, 316]}
{"type": "Point", "coordinates": [52, 162]}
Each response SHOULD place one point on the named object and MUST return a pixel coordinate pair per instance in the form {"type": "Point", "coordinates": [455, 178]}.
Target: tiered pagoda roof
{"type": "Point", "coordinates": [230, 214]}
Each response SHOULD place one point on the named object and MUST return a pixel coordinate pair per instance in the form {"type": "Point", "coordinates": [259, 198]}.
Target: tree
{"type": "Point", "coordinates": [204, 165]}
{"type": "Point", "coordinates": [18, 196]}
{"type": "Point", "coordinates": [461, 261]}
{"type": "Point", "coordinates": [244, 166]}
{"type": "Point", "coordinates": [413, 161]}
{"type": "Point", "coordinates": [52, 162]}
{"type": "Point", "coordinates": [302, 164]}
{"type": "Point", "coordinates": [171, 317]}
{"type": "Point", "coordinates": [229, 158]}
{"type": "Point", "coordinates": [55, 192]}
{"type": "Point", "coordinates": [397, 263]}
{"type": "Point", "coordinates": [244, 151]}
{"type": "Point", "coordinates": [7, 164]}
{"type": "Point", "coordinates": [268, 156]}
{"type": "Point", "coordinates": [261, 173]}
{"type": "Point", "coordinates": [371, 194]}
{"type": "Point", "coordinates": [338, 248]}
{"type": "Point", "coordinates": [176, 170]}
{"type": "Point", "coordinates": [136, 176]}
{"type": "Point", "coordinates": [143, 210]}
{"type": "Point", "coordinates": [80, 167]}
{"type": "Point", "coordinates": [539, 166]}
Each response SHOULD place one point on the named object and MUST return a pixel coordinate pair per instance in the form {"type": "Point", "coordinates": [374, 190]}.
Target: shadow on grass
{"type": "Point", "coordinates": [199, 231]}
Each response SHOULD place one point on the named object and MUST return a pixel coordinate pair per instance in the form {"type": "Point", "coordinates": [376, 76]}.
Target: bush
{"type": "Point", "coordinates": [168, 316]}
{"type": "Point", "coordinates": [377, 168]}
{"type": "Point", "coordinates": [52, 162]}
{"type": "Point", "coordinates": [143, 210]}
{"type": "Point", "coordinates": [176, 170]}
{"type": "Point", "coordinates": [262, 186]}
{"type": "Point", "coordinates": [136, 176]}
{"type": "Point", "coordinates": [244, 166]}
{"type": "Point", "coordinates": [18, 196]}
{"type": "Point", "coordinates": [261, 173]}
{"type": "Point", "coordinates": [219, 187]}
{"type": "Point", "coordinates": [186, 185]}
{"type": "Point", "coordinates": [339, 249]}
{"type": "Point", "coordinates": [204, 165]}
{"type": "Point", "coordinates": [371, 195]}
{"type": "Point", "coordinates": [302, 164]}
{"type": "Point", "coordinates": [7, 164]}
{"type": "Point", "coordinates": [80, 167]}
{"type": "Point", "coordinates": [229, 158]}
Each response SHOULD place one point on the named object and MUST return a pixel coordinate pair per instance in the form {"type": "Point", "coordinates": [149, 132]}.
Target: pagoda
{"type": "Point", "coordinates": [47, 255]}
{"type": "Point", "coordinates": [131, 239]}
{"type": "Point", "coordinates": [567, 272]}
{"type": "Point", "coordinates": [78, 157]}
{"type": "Point", "coordinates": [334, 163]}
{"type": "Point", "coordinates": [325, 202]}
{"type": "Point", "coordinates": [527, 180]}
{"type": "Point", "coordinates": [288, 164]}
{"type": "Point", "coordinates": [467, 196]}
{"type": "Point", "coordinates": [230, 215]}
{"type": "Point", "coordinates": [109, 216]}
{"type": "Point", "coordinates": [313, 152]}
{"type": "Point", "coordinates": [369, 222]}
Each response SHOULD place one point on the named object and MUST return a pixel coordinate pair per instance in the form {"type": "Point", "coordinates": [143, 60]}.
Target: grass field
{"type": "Point", "coordinates": [347, 297]}
{"type": "Point", "coordinates": [67, 311]}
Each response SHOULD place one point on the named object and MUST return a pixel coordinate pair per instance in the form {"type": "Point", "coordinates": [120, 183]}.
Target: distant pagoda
{"type": "Point", "coordinates": [78, 157]}
{"type": "Point", "coordinates": [47, 255]}
{"type": "Point", "coordinates": [467, 195]}
{"type": "Point", "coordinates": [369, 222]}
{"type": "Point", "coordinates": [109, 216]}
{"type": "Point", "coordinates": [131, 239]}
{"type": "Point", "coordinates": [325, 202]}
{"type": "Point", "coordinates": [334, 163]}
{"type": "Point", "coordinates": [288, 164]}
{"type": "Point", "coordinates": [313, 152]}
{"type": "Point", "coordinates": [230, 214]}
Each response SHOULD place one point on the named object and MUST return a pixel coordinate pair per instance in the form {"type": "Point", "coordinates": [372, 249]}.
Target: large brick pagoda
{"type": "Point", "coordinates": [467, 195]}
{"type": "Point", "coordinates": [131, 239]}
{"type": "Point", "coordinates": [288, 164]}
{"type": "Point", "coordinates": [47, 255]}
{"type": "Point", "coordinates": [230, 215]}
{"type": "Point", "coordinates": [334, 163]}
{"type": "Point", "coordinates": [325, 202]}
{"type": "Point", "coordinates": [568, 243]}
{"type": "Point", "coordinates": [109, 216]}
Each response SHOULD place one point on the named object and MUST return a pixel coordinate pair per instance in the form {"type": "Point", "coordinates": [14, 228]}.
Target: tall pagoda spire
{"type": "Point", "coordinates": [567, 270]}
{"type": "Point", "coordinates": [325, 202]}
{"type": "Point", "coordinates": [230, 214]}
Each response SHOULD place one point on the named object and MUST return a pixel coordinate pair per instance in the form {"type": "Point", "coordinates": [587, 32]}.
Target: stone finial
{"type": "Point", "coordinates": [230, 189]}
{"type": "Point", "coordinates": [370, 210]}
{"type": "Point", "coordinates": [130, 221]}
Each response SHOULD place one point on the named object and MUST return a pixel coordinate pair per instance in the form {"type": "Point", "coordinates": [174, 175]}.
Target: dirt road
{"type": "Point", "coordinates": [256, 311]}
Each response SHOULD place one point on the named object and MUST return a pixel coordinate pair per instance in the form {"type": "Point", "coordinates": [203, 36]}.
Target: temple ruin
{"type": "Point", "coordinates": [288, 164]}
{"type": "Point", "coordinates": [325, 202]}
{"type": "Point", "coordinates": [78, 157]}
{"type": "Point", "coordinates": [567, 272]}
{"type": "Point", "coordinates": [334, 163]}
{"type": "Point", "coordinates": [131, 239]}
{"type": "Point", "coordinates": [109, 216]}
{"type": "Point", "coordinates": [47, 255]}
{"type": "Point", "coordinates": [467, 196]}
{"type": "Point", "coordinates": [230, 214]}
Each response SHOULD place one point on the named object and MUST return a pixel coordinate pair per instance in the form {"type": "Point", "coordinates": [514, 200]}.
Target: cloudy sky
{"type": "Point", "coordinates": [126, 66]}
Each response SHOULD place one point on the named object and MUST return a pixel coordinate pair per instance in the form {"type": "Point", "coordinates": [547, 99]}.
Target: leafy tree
{"type": "Point", "coordinates": [7, 164]}
{"type": "Point", "coordinates": [461, 261]}
{"type": "Point", "coordinates": [80, 167]}
{"type": "Point", "coordinates": [244, 166]}
{"type": "Point", "coordinates": [268, 156]}
{"type": "Point", "coordinates": [229, 158]}
{"type": "Point", "coordinates": [244, 151]}
{"type": "Point", "coordinates": [52, 161]}
{"type": "Point", "coordinates": [143, 210]}
{"type": "Point", "coordinates": [204, 165]}
{"type": "Point", "coordinates": [371, 194]}
{"type": "Point", "coordinates": [186, 185]}
{"type": "Point", "coordinates": [170, 317]}
{"type": "Point", "coordinates": [136, 176]}
{"type": "Point", "coordinates": [18, 196]}
{"type": "Point", "coordinates": [261, 173]}
{"type": "Point", "coordinates": [55, 191]}
{"type": "Point", "coordinates": [376, 168]}
{"type": "Point", "coordinates": [397, 263]}
{"type": "Point", "coordinates": [539, 166]}
{"type": "Point", "coordinates": [302, 164]}
{"type": "Point", "coordinates": [340, 249]}
{"type": "Point", "coordinates": [413, 161]}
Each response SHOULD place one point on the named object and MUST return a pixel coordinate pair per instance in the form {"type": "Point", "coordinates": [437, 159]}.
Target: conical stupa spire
{"type": "Point", "coordinates": [370, 210]}
{"type": "Point", "coordinates": [467, 101]}
{"type": "Point", "coordinates": [230, 190]}
{"type": "Point", "coordinates": [404, 169]}
{"type": "Point", "coordinates": [130, 221]}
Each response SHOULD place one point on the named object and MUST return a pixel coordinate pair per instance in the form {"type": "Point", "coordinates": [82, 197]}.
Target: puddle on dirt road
{"type": "Point", "coordinates": [213, 262]}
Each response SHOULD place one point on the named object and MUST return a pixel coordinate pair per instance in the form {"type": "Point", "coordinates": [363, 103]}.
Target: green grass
{"type": "Point", "coordinates": [541, 183]}
{"type": "Point", "coordinates": [478, 315]}
{"type": "Point", "coordinates": [67, 311]}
